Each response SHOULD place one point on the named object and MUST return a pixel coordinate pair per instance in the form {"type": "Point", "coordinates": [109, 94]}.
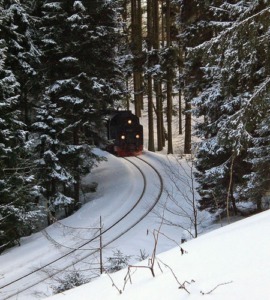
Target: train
{"type": "Point", "coordinates": [124, 133]}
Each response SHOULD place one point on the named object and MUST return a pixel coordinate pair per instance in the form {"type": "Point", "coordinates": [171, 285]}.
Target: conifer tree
{"type": "Point", "coordinates": [19, 31]}
{"type": "Point", "coordinates": [258, 156]}
{"type": "Point", "coordinates": [234, 105]}
{"type": "Point", "coordinates": [82, 81]}
{"type": "Point", "coordinates": [199, 22]}
{"type": "Point", "coordinates": [18, 210]}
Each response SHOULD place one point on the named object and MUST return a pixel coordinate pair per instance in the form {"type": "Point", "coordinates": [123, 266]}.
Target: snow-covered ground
{"type": "Point", "coordinates": [231, 262]}
{"type": "Point", "coordinates": [119, 185]}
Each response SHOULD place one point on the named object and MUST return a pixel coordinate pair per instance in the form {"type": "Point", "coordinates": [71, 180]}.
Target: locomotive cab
{"type": "Point", "coordinates": [126, 134]}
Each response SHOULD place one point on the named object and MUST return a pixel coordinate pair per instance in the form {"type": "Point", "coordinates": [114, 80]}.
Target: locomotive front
{"type": "Point", "coordinates": [126, 134]}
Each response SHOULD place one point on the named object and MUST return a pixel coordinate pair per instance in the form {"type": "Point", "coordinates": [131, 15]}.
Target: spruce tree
{"type": "Point", "coordinates": [82, 79]}
{"type": "Point", "coordinates": [233, 104]}
{"type": "Point", "coordinates": [257, 181]}
{"type": "Point", "coordinates": [199, 22]}
{"type": "Point", "coordinates": [18, 209]}
{"type": "Point", "coordinates": [19, 31]}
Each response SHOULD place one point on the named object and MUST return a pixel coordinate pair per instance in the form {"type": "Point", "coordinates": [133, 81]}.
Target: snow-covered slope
{"type": "Point", "coordinates": [229, 263]}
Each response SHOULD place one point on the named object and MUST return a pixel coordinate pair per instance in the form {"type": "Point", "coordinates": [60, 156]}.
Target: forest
{"type": "Point", "coordinates": [64, 64]}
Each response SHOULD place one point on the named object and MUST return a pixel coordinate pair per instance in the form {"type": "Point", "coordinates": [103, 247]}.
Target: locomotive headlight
{"type": "Point", "coordinates": [129, 121]}
{"type": "Point", "coordinates": [122, 137]}
{"type": "Point", "coordinates": [137, 136]}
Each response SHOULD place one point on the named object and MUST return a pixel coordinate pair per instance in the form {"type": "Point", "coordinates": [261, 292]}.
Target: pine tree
{"type": "Point", "coordinates": [233, 103]}
{"type": "Point", "coordinates": [199, 22]}
{"type": "Point", "coordinates": [258, 156]}
{"type": "Point", "coordinates": [18, 188]}
{"type": "Point", "coordinates": [19, 31]}
{"type": "Point", "coordinates": [18, 209]}
{"type": "Point", "coordinates": [82, 81]}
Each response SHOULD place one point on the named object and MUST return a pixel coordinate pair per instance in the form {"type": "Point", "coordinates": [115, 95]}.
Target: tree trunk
{"type": "Point", "coordinates": [160, 127]}
{"type": "Point", "coordinates": [187, 147]}
{"type": "Point", "coordinates": [136, 25]}
{"type": "Point", "coordinates": [169, 81]}
{"type": "Point", "coordinates": [180, 70]}
{"type": "Point", "coordinates": [169, 116]}
{"type": "Point", "coordinates": [126, 40]}
{"type": "Point", "coordinates": [180, 131]}
{"type": "Point", "coordinates": [151, 143]}
{"type": "Point", "coordinates": [157, 83]}
{"type": "Point", "coordinates": [77, 177]}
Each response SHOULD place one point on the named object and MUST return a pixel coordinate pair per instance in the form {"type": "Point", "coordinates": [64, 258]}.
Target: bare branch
{"type": "Point", "coordinates": [113, 284]}
{"type": "Point", "coordinates": [203, 293]}
{"type": "Point", "coordinates": [181, 285]}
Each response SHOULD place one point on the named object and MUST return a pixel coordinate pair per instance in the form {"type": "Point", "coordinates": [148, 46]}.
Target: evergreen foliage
{"type": "Point", "coordinates": [18, 190]}
{"type": "Point", "coordinates": [82, 81]}
{"type": "Point", "coordinates": [118, 261]}
{"type": "Point", "coordinates": [234, 103]}
{"type": "Point", "coordinates": [60, 59]}
{"type": "Point", "coordinates": [18, 29]}
{"type": "Point", "coordinates": [70, 281]}
{"type": "Point", "coordinates": [200, 21]}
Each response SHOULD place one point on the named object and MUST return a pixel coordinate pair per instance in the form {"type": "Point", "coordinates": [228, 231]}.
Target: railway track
{"type": "Point", "coordinates": [111, 233]}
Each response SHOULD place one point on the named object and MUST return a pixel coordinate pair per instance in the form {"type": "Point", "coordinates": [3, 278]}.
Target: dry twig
{"type": "Point", "coordinates": [203, 293]}
{"type": "Point", "coordinates": [113, 284]}
{"type": "Point", "coordinates": [181, 285]}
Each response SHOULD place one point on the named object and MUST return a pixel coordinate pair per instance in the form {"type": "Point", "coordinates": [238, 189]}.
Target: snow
{"type": "Point", "coordinates": [211, 260]}
{"type": "Point", "coordinates": [233, 259]}
{"type": "Point", "coordinates": [69, 59]}
{"type": "Point", "coordinates": [231, 262]}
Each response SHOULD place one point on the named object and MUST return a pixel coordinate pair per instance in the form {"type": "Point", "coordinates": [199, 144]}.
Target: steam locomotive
{"type": "Point", "coordinates": [125, 134]}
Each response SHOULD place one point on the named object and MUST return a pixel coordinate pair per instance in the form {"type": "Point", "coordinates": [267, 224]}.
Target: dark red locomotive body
{"type": "Point", "coordinates": [125, 134]}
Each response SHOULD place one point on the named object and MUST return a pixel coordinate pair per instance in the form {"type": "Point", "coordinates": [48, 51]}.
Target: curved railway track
{"type": "Point", "coordinates": [7, 290]}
